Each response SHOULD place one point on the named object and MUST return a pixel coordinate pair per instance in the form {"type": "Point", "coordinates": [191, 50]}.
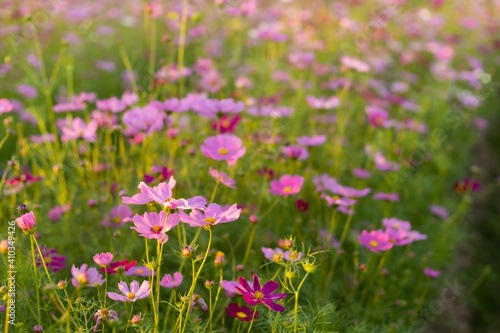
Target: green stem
{"type": "Point", "coordinates": [36, 282]}
{"type": "Point", "coordinates": [253, 318]}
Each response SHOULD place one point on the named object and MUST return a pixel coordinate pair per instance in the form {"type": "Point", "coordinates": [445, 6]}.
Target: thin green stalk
{"type": "Point", "coordinates": [36, 282]}
{"type": "Point", "coordinates": [195, 278]}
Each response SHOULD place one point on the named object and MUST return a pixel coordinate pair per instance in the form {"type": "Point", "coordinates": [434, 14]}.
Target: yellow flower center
{"type": "Point", "coordinates": [117, 219]}
{"type": "Point", "coordinates": [225, 123]}
{"type": "Point", "coordinates": [374, 243]}
{"type": "Point", "coordinates": [140, 271]}
{"type": "Point", "coordinates": [277, 257]}
{"type": "Point", "coordinates": [335, 197]}
{"type": "Point", "coordinates": [104, 313]}
{"type": "Point", "coordinates": [241, 315]}
{"type": "Point", "coordinates": [378, 121]}
{"type": "Point", "coordinates": [209, 220]}
{"type": "Point", "coordinates": [396, 226]}
{"type": "Point", "coordinates": [130, 295]}
{"type": "Point", "coordinates": [156, 229]}
{"type": "Point", "coordinates": [48, 259]}
{"type": "Point", "coordinates": [82, 278]}
{"type": "Point", "coordinates": [223, 151]}
{"type": "Point", "coordinates": [288, 189]}
{"type": "Point", "coordinates": [259, 295]}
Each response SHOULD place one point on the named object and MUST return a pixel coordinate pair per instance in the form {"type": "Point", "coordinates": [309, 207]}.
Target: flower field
{"type": "Point", "coordinates": [241, 165]}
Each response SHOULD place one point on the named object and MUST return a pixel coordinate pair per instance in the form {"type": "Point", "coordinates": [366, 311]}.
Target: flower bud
{"type": "Point", "coordinates": [209, 284]}
{"type": "Point", "coordinates": [254, 219]}
{"type": "Point", "coordinates": [26, 222]}
{"type": "Point", "coordinates": [23, 209]}
{"type": "Point", "coordinates": [38, 329]}
{"type": "Point", "coordinates": [62, 284]}
{"type": "Point", "coordinates": [187, 251]}
{"type": "Point", "coordinates": [135, 319]}
{"type": "Point", "coordinates": [220, 258]}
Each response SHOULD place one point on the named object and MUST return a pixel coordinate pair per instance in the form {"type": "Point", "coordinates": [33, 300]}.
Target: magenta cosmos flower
{"type": "Point", "coordinates": [222, 178]}
{"type": "Point", "coordinates": [375, 240]}
{"type": "Point", "coordinates": [211, 216]}
{"type": "Point", "coordinates": [162, 194]}
{"type": "Point", "coordinates": [83, 277]}
{"type": "Point", "coordinates": [133, 294]}
{"type": "Point", "coordinates": [119, 266]}
{"type": "Point", "coordinates": [27, 222]}
{"type": "Point", "coordinates": [53, 260]}
{"type": "Point", "coordinates": [226, 147]}
{"type": "Point", "coordinates": [154, 226]}
{"type": "Point", "coordinates": [376, 116]}
{"type": "Point", "coordinates": [79, 129]}
{"type": "Point", "coordinates": [243, 313]}
{"type": "Point", "coordinates": [431, 272]}
{"type": "Point", "coordinates": [260, 295]}
{"type": "Point", "coordinates": [103, 259]}
{"type": "Point", "coordinates": [169, 282]}
{"type": "Point", "coordinates": [295, 152]}
{"type": "Point", "coordinates": [286, 185]}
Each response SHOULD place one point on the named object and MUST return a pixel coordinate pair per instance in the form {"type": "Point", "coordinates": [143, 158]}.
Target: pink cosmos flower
{"type": "Point", "coordinates": [112, 104]}
{"type": "Point", "coordinates": [153, 225]}
{"type": "Point", "coordinates": [133, 294]}
{"type": "Point", "coordinates": [226, 147]}
{"type": "Point", "coordinates": [211, 216]}
{"type": "Point", "coordinates": [56, 212]}
{"type": "Point", "coordinates": [395, 224]}
{"type": "Point", "coordinates": [79, 129]}
{"type": "Point", "coordinates": [140, 271]}
{"type": "Point", "coordinates": [439, 211]}
{"type": "Point", "coordinates": [213, 108]}
{"type": "Point", "coordinates": [27, 222]}
{"type": "Point", "coordinates": [376, 116]}
{"type": "Point", "coordinates": [117, 216]}
{"type": "Point", "coordinates": [356, 64]}
{"type": "Point", "coordinates": [175, 105]}
{"type": "Point", "coordinates": [431, 272]}
{"type": "Point", "coordinates": [69, 106]}
{"type": "Point", "coordinates": [147, 119]}
{"type": "Point", "coordinates": [350, 191]}
{"type": "Point", "coordinates": [315, 140]}
{"type": "Point", "coordinates": [287, 185]}
{"type": "Point", "coordinates": [27, 91]}
{"type": "Point", "coordinates": [47, 137]}
{"type": "Point", "coordinates": [169, 282]}
{"type": "Point", "coordinates": [104, 315]}
{"type": "Point", "coordinates": [361, 173]}
{"type": "Point", "coordinates": [162, 194]}
{"type": "Point", "coordinates": [323, 103]}
{"type": "Point", "coordinates": [386, 196]}
{"type": "Point", "coordinates": [5, 106]}
{"type": "Point", "coordinates": [83, 277]}
{"type": "Point", "coordinates": [229, 287]}
{"type": "Point", "coordinates": [129, 98]}
{"type": "Point", "coordinates": [222, 178]}
{"type": "Point", "coordinates": [260, 295]}
{"type": "Point", "coordinates": [103, 259]}
{"type": "Point", "coordinates": [338, 201]}
{"type": "Point", "coordinates": [375, 240]}
{"type": "Point", "coordinates": [295, 152]}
